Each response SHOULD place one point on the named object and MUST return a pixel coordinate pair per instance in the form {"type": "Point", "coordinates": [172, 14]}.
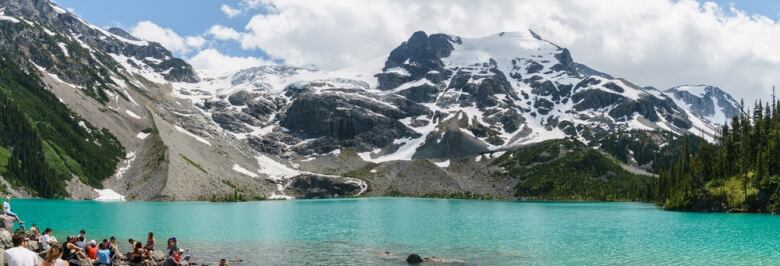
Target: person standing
{"type": "Point", "coordinates": [19, 255]}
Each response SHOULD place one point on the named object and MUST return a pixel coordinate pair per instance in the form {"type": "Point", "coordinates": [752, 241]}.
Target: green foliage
{"type": "Point", "coordinates": [569, 170]}
{"type": "Point", "coordinates": [47, 142]}
{"type": "Point", "coordinates": [739, 173]}
{"type": "Point", "coordinates": [5, 155]}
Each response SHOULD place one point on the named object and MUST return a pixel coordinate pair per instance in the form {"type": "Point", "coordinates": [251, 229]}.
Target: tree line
{"type": "Point", "coordinates": [739, 172]}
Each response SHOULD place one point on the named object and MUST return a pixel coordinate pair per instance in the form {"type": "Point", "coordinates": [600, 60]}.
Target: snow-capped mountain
{"type": "Point", "coordinates": [388, 125]}
{"type": "Point", "coordinates": [444, 97]}
{"type": "Point", "coordinates": [114, 83]}
{"type": "Point", "coordinates": [708, 103]}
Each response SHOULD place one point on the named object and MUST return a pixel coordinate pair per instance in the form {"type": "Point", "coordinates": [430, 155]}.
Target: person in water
{"type": "Point", "coordinates": [7, 209]}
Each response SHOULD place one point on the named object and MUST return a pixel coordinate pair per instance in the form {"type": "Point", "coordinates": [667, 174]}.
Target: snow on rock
{"type": "Point", "coordinates": [443, 164]}
{"type": "Point", "coordinates": [274, 196]}
{"type": "Point", "coordinates": [64, 48]}
{"type": "Point", "coordinates": [362, 184]}
{"type": "Point", "coordinates": [85, 127]}
{"type": "Point", "coordinates": [3, 17]}
{"type": "Point", "coordinates": [196, 137]}
{"type": "Point", "coordinates": [243, 170]}
{"type": "Point", "coordinates": [108, 195]}
{"type": "Point", "coordinates": [132, 114]}
{"type": "Point", "coordinates": [142, 135]}
{"type": "Point", "coordinates": [274, 170]}
{"type": "Point", "coordinates": [129, 158]}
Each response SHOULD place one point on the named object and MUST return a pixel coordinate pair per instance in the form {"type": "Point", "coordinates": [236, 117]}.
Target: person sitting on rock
{"type": "Point", "coordinates": [113, 246]}
{"type": "Point", "coordinates": [7, 209]}
{"type": "Point", "coordinates": [92, 250]}
{"type": "Point", "coordinates": [150, 241]}
{"type": "Point", "coordinates": [34, 233]}
{"type": "Point", "coordinates": [73, 253]}
{"type": "Point", "coordinates": [46, 239]}
{"type": "Point", "coordinates": [103, 255]}
{"type": "Point", "coordinates": [140, 256]}
{"type": "Point", "coordinates": [81, 242]}
{"type": "Point", "coordinates": [172, 245]}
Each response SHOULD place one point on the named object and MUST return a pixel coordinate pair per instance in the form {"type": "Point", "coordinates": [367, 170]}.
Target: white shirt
{"type": "Point", "coordinates": [45, 241]}
{"type": "Point", "coordinates": [6, 206]}
{"type": "Point", "coordinates": [20, 256]}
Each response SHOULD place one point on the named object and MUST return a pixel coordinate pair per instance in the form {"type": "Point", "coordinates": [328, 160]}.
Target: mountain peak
{"type": "Point", "coordinates": [705, 101]}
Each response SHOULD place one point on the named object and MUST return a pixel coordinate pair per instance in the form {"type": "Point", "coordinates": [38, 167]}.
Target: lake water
{"type": "Point", "coordinates": [358, 231]}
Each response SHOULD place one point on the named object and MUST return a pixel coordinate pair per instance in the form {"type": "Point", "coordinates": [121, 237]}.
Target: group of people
{"type": "Point", "coordinates": [77, 251]}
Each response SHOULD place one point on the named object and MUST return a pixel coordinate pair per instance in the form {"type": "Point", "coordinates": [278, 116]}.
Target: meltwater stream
{"type": "Point", "coordinates": [359, 231]}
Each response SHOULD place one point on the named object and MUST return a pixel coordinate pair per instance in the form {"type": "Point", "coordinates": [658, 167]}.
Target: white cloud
{"type": "Point", "coordinates": [213, 61]}
{"type": "Point", "coordinates": [166, 37]}
{"type": "Point", "coordinates": [655, 42]}
{"type": "Point", "coordinates": [223, 33]}
{"type": "Point", "coordinates": [229, 11]}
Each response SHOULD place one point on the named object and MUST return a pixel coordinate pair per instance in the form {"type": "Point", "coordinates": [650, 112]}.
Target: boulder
{"type": "Point", "coordinates": [414, 259]}
{"type": "Point", "coordinates": [7, 222]}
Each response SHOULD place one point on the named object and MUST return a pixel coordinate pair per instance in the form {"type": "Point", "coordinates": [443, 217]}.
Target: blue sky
{"type": "Point", "coordinates": [660, 43]}
{"type": "Point", "coordinates": [188, 17]}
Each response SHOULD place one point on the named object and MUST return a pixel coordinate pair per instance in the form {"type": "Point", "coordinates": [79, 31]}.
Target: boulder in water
{"type": "Point", "coordinates": [414, 259]}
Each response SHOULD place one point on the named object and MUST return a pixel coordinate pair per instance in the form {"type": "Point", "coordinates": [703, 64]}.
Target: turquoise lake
{"type": "Point", "coordinates": [359, 231]}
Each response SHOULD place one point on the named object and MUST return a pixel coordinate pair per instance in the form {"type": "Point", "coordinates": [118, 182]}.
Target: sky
{"type": "Point", "coordinates": [662, 43]}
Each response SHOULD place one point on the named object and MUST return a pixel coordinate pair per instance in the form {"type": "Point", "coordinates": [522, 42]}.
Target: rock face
{"type": "Point", "coordinates": [707, 102]}
{"type": "Point", "coordinates": [433, 107]}
{"type": "Point", "coordinates": [319, 187]}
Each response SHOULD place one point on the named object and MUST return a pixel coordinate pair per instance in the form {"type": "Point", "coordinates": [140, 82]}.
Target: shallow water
{"type": "Point", "coordinates": [358, 231]}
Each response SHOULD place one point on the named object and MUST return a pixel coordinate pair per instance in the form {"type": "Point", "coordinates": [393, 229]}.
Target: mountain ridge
{"type": "Point", "coordinates": [284, 131]}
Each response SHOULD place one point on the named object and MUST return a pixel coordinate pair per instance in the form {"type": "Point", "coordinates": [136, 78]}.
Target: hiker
{"type": "Point", "coordinates": [172, 246]}
{"type": "Point", "coordinates": [52, 256]}
{"type": "Point", "coordinates": [114, 248]}
{"type": "Point", "coordinates": [20, 255]}
{"type": "Point", "coordinates": [73, 253]}
{"type": "Point", "coordinates": [92, 250]}
{"type": "Point", "coordinates": [139, 256]}
{"type": "Point", "coordinates": [34, 233]}
{"type": "Point", "coordinates": [45, 239]}
{"type": "Point", "coordinates": [81, 242]}
{"type": "Point", "coordinates": [7, 210]}
{"type": "Point", "coordinates": [103, 255]}
{"type": "Point", "coordinates": [150, 241]}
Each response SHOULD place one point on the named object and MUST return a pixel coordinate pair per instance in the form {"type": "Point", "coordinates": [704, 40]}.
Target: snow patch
{"type": "Point", "coordinates": [129, 158]}
{"type": "Point", "coordinates": [196, 137]}
{"type": "Point", "coordinates": [443, 164]}
{"type": "Point", "coordinates": [108, 195]}
{"type": "Point", "coordinates": [142, 135]}
{"type": "Point", "coordinates": [64, 48]}
{"type": "Point", "coordinates": [131, 114]}
{"type": "Point", "coordinates": [274, 170]}
{"type": "Point", "coordinates": [243, 170]}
